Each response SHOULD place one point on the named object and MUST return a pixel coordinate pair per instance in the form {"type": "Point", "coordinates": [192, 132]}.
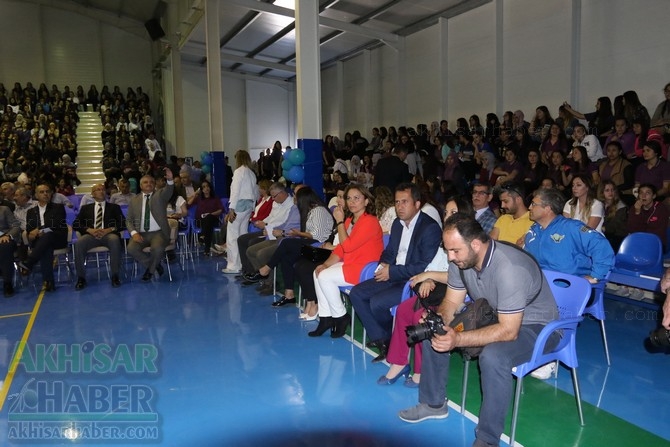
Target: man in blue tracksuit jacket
{"type": "Point", "coordinates": [565, 245]}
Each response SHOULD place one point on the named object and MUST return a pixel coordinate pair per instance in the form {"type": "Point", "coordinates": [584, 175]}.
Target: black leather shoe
{"type": "Point", "coordinates": [81, 283]}
{"type": "Point", "coordinates": [9, 290]}
{"type": "Point", "coordinates": [254, 278]}
{"type": "Point", "coordinates": [283, 302]}
{"type": "Point", "coordinates": [147, 276]}
{"type": "Point", "coordinates": [116, 282]}
{"type": "Point", "coordinates": [340, 326]}
{"type": "Point", "coordinates": [325, 323]}
{"type": "Point", "coordinates": [383, 347]}
{"type": "Point", "coordinates": [159, 270]}
{"type": "Point", "coordinates": [49, 286]}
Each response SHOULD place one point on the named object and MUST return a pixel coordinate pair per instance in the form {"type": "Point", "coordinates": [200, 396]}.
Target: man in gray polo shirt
{"type": "Point", "coordinates": [515, 287]}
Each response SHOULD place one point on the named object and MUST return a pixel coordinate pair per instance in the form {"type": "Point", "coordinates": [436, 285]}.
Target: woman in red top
{"type": "Point", "coordinates": [361, 242]}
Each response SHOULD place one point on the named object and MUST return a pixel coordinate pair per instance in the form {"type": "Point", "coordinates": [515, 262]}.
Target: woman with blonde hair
{"type": "Point", "coordinates": [243, 196]}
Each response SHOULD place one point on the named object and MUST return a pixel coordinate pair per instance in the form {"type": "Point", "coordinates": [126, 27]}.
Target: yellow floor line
{"type": "Point", "coordinates": [19, 352]}
{"type": "Point", "coordinates": [15, 315]}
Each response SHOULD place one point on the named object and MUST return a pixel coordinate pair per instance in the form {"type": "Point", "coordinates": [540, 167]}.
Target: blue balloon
{"type": "Point", "coordinates": [297, 156]}
{"type": "Point", "coordinates": [207, 160]}
{"type": "Point", "coordinates": [206, 169]}
{"type": "Point", "coordinates": [286, 165]}
{"type": "Point", "coordinates": [296, 174]}
{"type": "Point", "coordinates": [287, 152]}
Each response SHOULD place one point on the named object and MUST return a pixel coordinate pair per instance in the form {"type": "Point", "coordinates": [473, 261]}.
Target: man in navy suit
{"type": "Point", "coordinates": [47, 231]}
{"type": "Point", "coordinates": [99, 224]}
{"type": "Point", "coordinates": [415, 238]}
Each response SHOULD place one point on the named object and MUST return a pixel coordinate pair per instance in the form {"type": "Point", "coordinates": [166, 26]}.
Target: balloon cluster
{"type": "Point", "coordinates": [292, 165]}
{"type": "Point", "coordinates": [207, 161]}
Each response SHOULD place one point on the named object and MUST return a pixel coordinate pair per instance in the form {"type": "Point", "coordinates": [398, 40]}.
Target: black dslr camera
{"type": "Point", "coordinates": [432, 324]}
{"type": "Point", "coordinates": [658, 341]}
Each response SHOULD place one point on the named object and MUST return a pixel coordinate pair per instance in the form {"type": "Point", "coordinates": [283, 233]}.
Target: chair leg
{"type": "Point", "coordinates": [515, 410]}
{"type": "Point", "coordinates": [578, 396]}
{"type": "Point", "coordinates": [464, 388]}
{"type": "Point", "coordinates": [607, 350]}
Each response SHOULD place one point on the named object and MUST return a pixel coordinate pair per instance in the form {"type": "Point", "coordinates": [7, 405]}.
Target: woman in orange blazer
{"type": "Point", "coordinates": [361, 242]}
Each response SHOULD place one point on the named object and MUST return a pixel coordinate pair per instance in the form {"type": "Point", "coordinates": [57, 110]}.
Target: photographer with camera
{"type": "Point", "coordinates": [517, 290]}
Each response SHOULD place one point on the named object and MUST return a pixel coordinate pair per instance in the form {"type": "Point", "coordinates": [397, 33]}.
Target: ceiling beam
{"type": "Point", "coordinates": [196, 49]}
{"type": "Point", "coordinates": [460, 8]}
{"type": "Point", "coordinates": [324, 21]}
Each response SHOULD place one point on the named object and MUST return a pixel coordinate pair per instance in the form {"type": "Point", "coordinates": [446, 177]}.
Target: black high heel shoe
{"type": "Point", "coordinates": [340, 326]}
{"type": "Point", "coordinates": [325, 323]}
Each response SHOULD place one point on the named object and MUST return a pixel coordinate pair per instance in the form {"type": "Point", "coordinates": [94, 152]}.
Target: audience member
{"type": "Point", "coordinates": [616, 214]}
{"type": "Point", "coordinates": [515, 287]}
{"type": "Point", "coordinates": [654, 170]}
{"type": "Point", "coordinates": [412, 245]}
{"type": "Point", "coordinates": [99, 225]}
{"type": "Point", "coordinates": [47, 231]}
{"type": "Point", "coordinates": [360, 242]}
{"type": "Point", "coordinates": [583, 205]}
{"type": "Point", "coordinates": [124, 196]}
{"type": "Point", "coordinates": [481, 198]}
{"type": "Point", "coordinates": [392, 171]}
{"type": "Point", "coordinates": [10, 235]}
{"type": "Point", "coordinates": [148, 225]}
{"type": "Point", "coordinates": [208, 208]}
{"type": "Point", "coordinates": [243, 196]}
{"type": "Point", "coordinates": [513, 225]}
{"type": "Point", "coordinates": [649, 215]}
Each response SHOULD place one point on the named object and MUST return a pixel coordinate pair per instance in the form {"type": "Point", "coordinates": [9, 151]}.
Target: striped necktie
{"type": "Point", "coordinates": [98, 216]}
{"type": "Point", "coordinates": [147, 212]}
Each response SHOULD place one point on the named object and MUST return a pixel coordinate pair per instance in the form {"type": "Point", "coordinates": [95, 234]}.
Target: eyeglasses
{"type": "Point", "coordinates": [536, 204]}
{"type": "Point", "coordinates": [511, 187]}
{"type": "Point", "coordinates": [480, 193]}
{"type": "Point", "coordinates": [275, 195]}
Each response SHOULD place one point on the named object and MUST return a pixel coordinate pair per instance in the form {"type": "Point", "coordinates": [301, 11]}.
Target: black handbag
{"type": "Point", "coordinates": [314, 254]}
{"type": "Point", "coordinates": [474, 315]}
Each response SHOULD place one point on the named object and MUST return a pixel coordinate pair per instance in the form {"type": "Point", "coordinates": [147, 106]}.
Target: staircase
{"type": "Point", "coordinates": [89, 151]}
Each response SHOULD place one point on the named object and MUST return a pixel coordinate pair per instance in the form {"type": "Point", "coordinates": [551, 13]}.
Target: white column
{"type": "Point", "coordinates": [308, 68]}
{"type": "Point", "coordinates": [369, 105]}
{"type": "Point", "coordinates": [499, 59]}
{"type": "Point", "coordinates": [401, 86]}
{"type": "Point", "coordinates": [443, 60]}
{"type": "Point", "coordinates": [177, 93]}
{"type": "Point", "coordinates": [214, 88]}
{"type": "Point", "coordinates": [575, 51]}
{"type": "Point", "coordinates": [341, 100]}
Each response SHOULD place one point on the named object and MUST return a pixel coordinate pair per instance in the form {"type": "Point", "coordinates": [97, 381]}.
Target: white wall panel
{"type": "Point", "coordinates": [71, 48]}
{"type": "Point", "coordinates": [196, 121]}
{"type": "Point", "coordinates": [353, 96]}
{"type": "Point", "coordinates": [471, 64]}
{"type": "Point", "coordinates": [21, 45]}
{"type": "Point", "coordinates": [329, 102]}
{"type": "Point", "coordinates": [388, 82]}
{"type": "Point", "coordinates": [423, 96]}
{"type": "Point", "coordinates": [624, 47]}
{"type": "Point", "coordinates": [126, 59]}
{"type": "Point", "coordinates": [536, 68]}
{"type": "Point", "coordinates": [267, 108]}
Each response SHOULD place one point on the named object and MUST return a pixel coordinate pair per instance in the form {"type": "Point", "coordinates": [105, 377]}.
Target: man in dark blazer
{"type": "Point", "coordinates": [392, 171]}
{"type": "Point", "coordinates": [47, 231]}
{"type": "Point", "coordinates": [10, 232]}
{"type": "Point", "coordinates": [149, 227]}
{"type": "Point", "coordinates": [415, 239]}
{"type": "Point", "coordinates": [99, 225]}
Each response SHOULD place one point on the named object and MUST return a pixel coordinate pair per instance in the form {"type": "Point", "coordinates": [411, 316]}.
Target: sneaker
{"type": "Point", "coordinates": [544, 372]}
{"type": "Point", "coordinates": [422, 412]}
{"type": "Point", "coordinates": [220, 248]}
{"type": "Point", "coordinates": [228, 271]}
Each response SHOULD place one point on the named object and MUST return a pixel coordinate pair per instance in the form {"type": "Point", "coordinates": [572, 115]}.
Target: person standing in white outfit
{"type": "Point", "coordinates": [243, 196]}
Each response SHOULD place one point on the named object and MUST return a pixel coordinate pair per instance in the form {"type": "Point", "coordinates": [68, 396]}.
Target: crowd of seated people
{"type": "Point", "coordinates": [38, 131]}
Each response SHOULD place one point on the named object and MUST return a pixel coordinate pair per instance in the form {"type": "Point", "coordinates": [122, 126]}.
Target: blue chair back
{"type": "Point", "coordinates": [70, 215]}
{"type": "Point", "coordinates": [407, 293]}
{"type": "Point", "coordinates": [386, 238]}
{"type": "Point", "coordinates": [640, 254]}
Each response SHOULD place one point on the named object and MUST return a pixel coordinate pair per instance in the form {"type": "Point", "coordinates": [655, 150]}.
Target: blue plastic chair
{"type": "Point", "coordinates": [368, 272]}
{"type": "Point", "coordinates": [597, 310]}
{"type": "Point", "coordinates": [386, 238]}
{"type": "Point", "coordinates": [406, 294]}
{"type": "Point", "coordinates": [639, 261]}
{"type": "Point", "coordinates": [572, 293]}
{"type": "Point", "coordinates": [640, 254]}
